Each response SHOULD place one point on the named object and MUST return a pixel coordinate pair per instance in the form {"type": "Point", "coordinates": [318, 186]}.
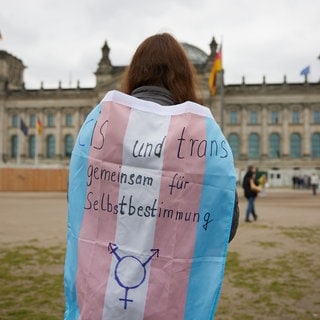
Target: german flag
{"type": "Point", "coordinates": [216, 67]}
{"type": "Point", "coordinates": [39, 126]}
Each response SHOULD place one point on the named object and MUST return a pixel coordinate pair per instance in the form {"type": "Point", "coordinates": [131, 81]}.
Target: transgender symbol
{"type": "Point", "coordinates": [129, 271]}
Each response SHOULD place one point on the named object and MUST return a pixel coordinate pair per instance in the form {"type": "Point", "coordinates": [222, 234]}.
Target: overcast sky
{"type": "Point", "coordinates": [61, 40]}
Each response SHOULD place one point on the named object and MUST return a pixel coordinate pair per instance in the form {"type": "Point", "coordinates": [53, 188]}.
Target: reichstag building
{"type": "Point", "coordinates": [274, 126]}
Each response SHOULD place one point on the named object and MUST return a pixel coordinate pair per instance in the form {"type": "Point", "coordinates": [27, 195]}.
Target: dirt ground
{"type": "Point", "coordinates": [279, 208]}
{"type": "Point", "coordinates": [33, 216]}
{"type": "Point", "coordinates": [41, 217]}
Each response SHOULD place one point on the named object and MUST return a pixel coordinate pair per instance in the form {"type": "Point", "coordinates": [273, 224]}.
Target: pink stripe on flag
{"type": "Point", "coordinates": [99, 221]}
{"type": "Point", "coordinates": [180, 191]}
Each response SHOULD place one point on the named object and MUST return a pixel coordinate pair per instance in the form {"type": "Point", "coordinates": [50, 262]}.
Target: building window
{"type": "Point", "coordinates": [316, 117]}
{"type": "Point", "coordinates": [32, 120]}
{"type": "Point", "coordinates": [295, 117]}
{"type": "Point", "coordinates": [14, 146]}
{"type": "Point", "coordinates": [253, 119]}
{"type": "Point", "coordinates": [295, 146]}
{"type": "Point", "coordinates": [68, 145]}
{"type": "Point", "coordinates": [50, 119]}
{"type": "Point", "coordinates": [68, 120]}
{"type": "Point", "coordinates": [253, 146]}
{"type": "Point", "coordinates": [233, 140]}
{"type": "Point", "coordinates": [233, 117]}
{"type": "Point", "coordinates": [274, 145]}
{"type": "Point", "coordinates": [51, 146]}
{"type": "Point", "coordinates": [274, 117]}
{"type": "Point", "coordinates": [15, 121]}
{"type": "Point", "coordinates": [32, 146]}
{"type": "Point", "coordinates": [315, 145]}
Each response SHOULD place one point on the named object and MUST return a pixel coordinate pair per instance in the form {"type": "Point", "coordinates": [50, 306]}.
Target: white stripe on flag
{"type": "Point", "coordinates": [128, 278]}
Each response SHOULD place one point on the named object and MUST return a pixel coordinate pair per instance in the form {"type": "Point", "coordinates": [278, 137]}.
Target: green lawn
{"type": "Point", "coordinates": [284, 287]}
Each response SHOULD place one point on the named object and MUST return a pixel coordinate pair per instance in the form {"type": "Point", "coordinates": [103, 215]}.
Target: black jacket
{"type": "Point", "coordinates": [248, 193]}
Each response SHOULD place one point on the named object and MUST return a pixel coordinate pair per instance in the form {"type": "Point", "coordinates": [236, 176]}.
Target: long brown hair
{"type": "Point", "coordinates": [161, 61]}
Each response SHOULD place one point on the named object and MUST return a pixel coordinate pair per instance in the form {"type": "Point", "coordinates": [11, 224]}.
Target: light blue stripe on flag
{"type": "Point", "coordinates": [76, 197]}
{"type": "Point", "coordinates": [217, 202]}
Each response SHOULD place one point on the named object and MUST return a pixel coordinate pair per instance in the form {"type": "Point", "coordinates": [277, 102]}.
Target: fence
{"type": "Point", "coordinates": [33, 179]}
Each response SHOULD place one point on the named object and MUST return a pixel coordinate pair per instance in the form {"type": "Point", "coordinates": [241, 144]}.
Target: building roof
{"type": "Point", "coordinates": [195, 54]}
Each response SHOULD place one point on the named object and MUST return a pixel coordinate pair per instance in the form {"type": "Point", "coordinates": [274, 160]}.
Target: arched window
{"type": "Point", "coordinates": [274, 145]}
{"type": "Point", "coordinates": [315, 145]}
{"type": "Point", "coordinates": [274, 117]}
{"type": "Point", "coordinates": [316, 116]}
{"type": "Point", "coordinates": [50, 120]}
{"type": "Point", "coordinates": [233, 117]}
{"type": "Point", "coordinates": [295, 145]}
{"type": "Point", "coordinates": [14, 146]}
{"type": "Point", "coordinates": [233, 140]}
{"type": "Point", "coordinates": [68, 120]}
{"type": "Point", "coordinates": [51, 146]}
{"type": "Point", "coordinates": [253, 117]}
{"type": "Point", "coordinates": [32, 146]}
{"type": "Point", "coordinates": [68, 145]}
{"type": "Point", "coordinates": [15, 121]}
{"type": "Point", "coordinates": [254, 148]}
{"type": "Point", "coordinates": [32, 120]}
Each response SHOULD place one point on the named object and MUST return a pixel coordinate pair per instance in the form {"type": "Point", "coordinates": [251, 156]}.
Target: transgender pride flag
{"type": "Point", "coordinates": [151, 197]}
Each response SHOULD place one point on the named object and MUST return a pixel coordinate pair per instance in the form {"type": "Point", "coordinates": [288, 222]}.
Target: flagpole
{"type": "Point", "coordinates": [38, 140]}
{"type": "Point", "coordinates": [36, 150]}
{"type": "Point", "coordinates": [222, 99]}
{"type": "Point", "coordinates": [222, 88]}
{"type": "Point", "coordinates": [18, 148]}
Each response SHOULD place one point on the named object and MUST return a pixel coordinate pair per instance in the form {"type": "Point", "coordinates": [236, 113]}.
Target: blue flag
{"type": "Point", "coordinates": [305, 71]}
{"type": "Point", "coordinates": [23, 127]}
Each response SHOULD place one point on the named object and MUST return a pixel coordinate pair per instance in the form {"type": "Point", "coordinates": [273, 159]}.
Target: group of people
{"type": "Point", "coordinates": [253, 186]}
{"type": "Point", "coordinates": [306, 182]}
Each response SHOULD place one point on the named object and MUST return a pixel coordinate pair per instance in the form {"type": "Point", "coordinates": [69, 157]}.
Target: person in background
{"type": "Point", "coordinates": [251, 191]}
{"type": "Point", "coordinates": [314, 183]}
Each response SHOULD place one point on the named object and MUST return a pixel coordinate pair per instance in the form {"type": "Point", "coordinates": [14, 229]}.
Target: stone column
{"type": "Point", "coordinates": [2, 130]}
{"type": "Point", "coordinates": [41, 137]}
{"type": "Point", "coordinates": [243, 134]}
{"type": "Point", "coordinates": [285, 143]}
{"type": "Point", "coordinates": [306, 144]}
{"type": "Point", "coordinates": [59, 118]}
{"type": "Point", "coordinates": [264, 133]}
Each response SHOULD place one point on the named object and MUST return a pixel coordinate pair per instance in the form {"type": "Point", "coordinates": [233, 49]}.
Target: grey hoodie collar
{"type": "Point", "coordinates": [155, 94]}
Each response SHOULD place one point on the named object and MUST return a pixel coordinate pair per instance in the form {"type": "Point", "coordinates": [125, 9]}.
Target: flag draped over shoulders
{"type": "Point", "coordinates": [150, 204]}
{"type": "Point", "coordinates": [216, 67]}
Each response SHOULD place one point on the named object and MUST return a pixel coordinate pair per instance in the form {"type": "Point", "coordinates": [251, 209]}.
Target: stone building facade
{"type": "Point", "coordinates": [273, 126]}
